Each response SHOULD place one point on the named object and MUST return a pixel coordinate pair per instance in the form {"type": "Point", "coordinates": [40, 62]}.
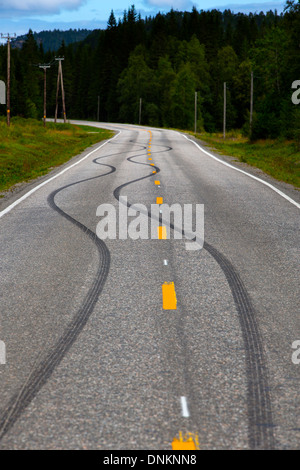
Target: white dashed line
{"type": "Point", "coordinates": [184, 407]}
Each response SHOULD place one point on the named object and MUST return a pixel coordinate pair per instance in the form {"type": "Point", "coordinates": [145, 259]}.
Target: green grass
{"type": "Point", "coordinates": [28, 150]}
{"type": "Point", "coordinates": [278, 158]}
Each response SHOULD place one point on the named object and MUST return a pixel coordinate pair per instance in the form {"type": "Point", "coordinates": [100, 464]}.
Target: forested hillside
{"type": "Point", "coordinates": [51, 40]}
{"type": "Point", "coordinates": [164, 60]}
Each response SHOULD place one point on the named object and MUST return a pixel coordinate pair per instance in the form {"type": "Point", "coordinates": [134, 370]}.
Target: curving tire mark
{"type": "Point", "coordinates": [41, 372]}
{"type": "Point", "coordinates": [260, 432]}
{"type": "Point", "coordinates": [43, 369]}
{"type": "Point", "coordinates": [260, 420]}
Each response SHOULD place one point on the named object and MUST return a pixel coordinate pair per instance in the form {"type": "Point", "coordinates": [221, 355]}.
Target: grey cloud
{"type": "Point", "coordinates": [33, 7]}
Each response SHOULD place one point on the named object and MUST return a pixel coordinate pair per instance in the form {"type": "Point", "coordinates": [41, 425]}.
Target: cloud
{"type": "Point", "coordinates": [33, 7]}
{"type": "Point", "coordinates": [182, 5]}
{"type": "Point", "coordinates": [253, 7]}
{"type": "Point", "coordinates": [187, 5]}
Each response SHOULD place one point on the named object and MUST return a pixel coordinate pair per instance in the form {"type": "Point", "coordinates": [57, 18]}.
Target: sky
{"type": "Point", "coordinates": [18, 16]}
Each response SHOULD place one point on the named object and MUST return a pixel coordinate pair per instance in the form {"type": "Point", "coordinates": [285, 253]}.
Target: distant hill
{"type": "Point", "coordinates": [52, 40]}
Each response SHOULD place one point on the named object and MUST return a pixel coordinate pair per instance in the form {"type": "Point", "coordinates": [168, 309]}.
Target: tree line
{"type": "Point", "coordinates": [164, 60]}
{"type": "Point", "coordinates": [52, 40]}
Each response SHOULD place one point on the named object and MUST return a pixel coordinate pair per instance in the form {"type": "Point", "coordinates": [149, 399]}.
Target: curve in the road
{"type": "Point", "coordinates": [260, 425]}
{"type": "Point", "coordinates": [260, 420]}
{"type": "Point", "coordinates": [43, 369]}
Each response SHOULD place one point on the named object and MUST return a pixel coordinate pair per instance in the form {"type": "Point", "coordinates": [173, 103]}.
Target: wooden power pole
{"type": "Point", "coordinates": [224, 112]}
{"type": "Point", "coordinates": [251, 104]}
{"type": "Point", "coordinates": [45, 67]}
{"type": "Point", "coordinates": [60, 79]}
{"type": "Point", "coordinates": [140, 111]}
{"type": "Point", "coordinates": [8, 37]}
{"type": "Point", "coordinates": [196, 99]}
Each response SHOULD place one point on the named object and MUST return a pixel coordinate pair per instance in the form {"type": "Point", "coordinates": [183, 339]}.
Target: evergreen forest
{"type": "Point", "coordinates": [163, 60]}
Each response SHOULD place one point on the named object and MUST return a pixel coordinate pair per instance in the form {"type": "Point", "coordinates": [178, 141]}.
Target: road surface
{"type": "Point", "coordinates": [94, 361]}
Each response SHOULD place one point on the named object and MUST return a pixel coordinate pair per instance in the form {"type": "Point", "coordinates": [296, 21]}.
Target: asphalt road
{"type": "Point", "coordinates": [94, 361]}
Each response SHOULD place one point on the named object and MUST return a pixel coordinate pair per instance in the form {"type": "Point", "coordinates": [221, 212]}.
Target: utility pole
{"type": "Point", "coordinates": [196, 99]}
{"type": "Point", "coordinates": [224, 112]}
{"type": "Point", "coordinates": [45, 67]}
{"type": "Point", "coordinates": [140, 112]}
{"type": "Point", "coordinates": [60, 78]}
{"type": "Point", "coordinates": [8, 37]}
{"type": "Point", "coordinates": [251, 104]}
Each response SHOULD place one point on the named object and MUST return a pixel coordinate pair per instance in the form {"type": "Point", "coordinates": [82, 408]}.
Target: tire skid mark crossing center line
{"type": "Point", "coordinates": [45, 366]}
{"type": "Point", "coordinates": [187, 441]}
{"type": "Point", "coordinates": [260, 421]}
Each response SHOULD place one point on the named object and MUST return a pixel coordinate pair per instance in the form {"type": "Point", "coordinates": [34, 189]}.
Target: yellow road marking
{"type": "Point", "coordinates": [149, 158]}
{"type": "Point", "coordinates": [152, 164]}
{"type": "Point", "coordinates": [154, 171]}
{"type": "Point", "coordinates": [187, 442]}
{"type": "Point", "coordinates": [169, 296]}
{"type": "Point", "coordinates": [156, 182]}
{"type": "Point", "coordinates": [162, 232]}
{"type": "Point", "coordinates": [159, 200]}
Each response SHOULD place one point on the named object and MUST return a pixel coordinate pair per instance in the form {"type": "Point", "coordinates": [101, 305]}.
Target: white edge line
{"type": "Point", "coordinates": [14, 204]}
{"type": "Point", "coordinates": [244, 172]}
{"type": "Point", "coordinates": [184, 407]}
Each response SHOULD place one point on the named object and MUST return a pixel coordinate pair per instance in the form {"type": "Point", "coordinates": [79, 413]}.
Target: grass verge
{"type": "Point", "coordinates": [28, 150]}
{"type": "Point", "coordinates": [278, 158]}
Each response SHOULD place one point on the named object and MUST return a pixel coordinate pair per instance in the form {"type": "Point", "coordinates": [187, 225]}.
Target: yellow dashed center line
{"type": "Point", "coordinates": [183, 445]}
{"type": "Point", "coordinates": [169, 302]}
{"type": "Point", "coordinates": [187, 442]}
{"type": "Point", "coordinates": [169, 296]}
{"type": "Point", "coordinates": [162, 232]}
